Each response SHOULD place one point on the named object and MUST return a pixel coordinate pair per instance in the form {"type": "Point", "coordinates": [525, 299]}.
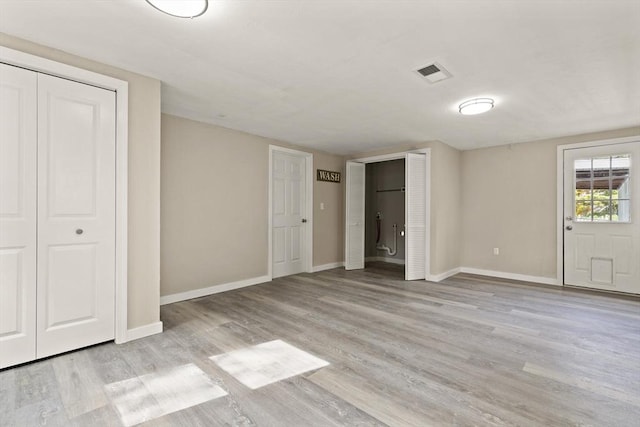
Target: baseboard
{"type": "Point", "coordinates": [440, 277]}
{"type": "Point", "coordinates": [216, 289]}
{"type": "Point", "coordinates": [329, 266]}
{"type": "Point", "coordinates": [144, 331]}
{"type": "Point", "coordinates": [385, 259]}
{"type": "Point", "coordinates": [511, 276]}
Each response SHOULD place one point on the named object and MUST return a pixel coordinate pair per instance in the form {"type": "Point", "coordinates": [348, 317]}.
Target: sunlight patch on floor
{"type": "Point", "coordinates": [267, 363]}
{"type": "Point", "coordinates": [153, 395]}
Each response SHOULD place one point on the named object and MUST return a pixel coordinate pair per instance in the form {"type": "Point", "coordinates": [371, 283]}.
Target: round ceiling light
{"type": "Point", "coordinates": [181, 8]}
{"type": "Point", "coordinates": [476, 106]}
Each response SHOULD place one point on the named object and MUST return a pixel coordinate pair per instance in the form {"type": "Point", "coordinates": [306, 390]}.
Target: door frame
{"type": "Point", "coordinates": [121, 88]}
{"type": "Point", "coordinates": [560, 194]}
{"type": "Point", "coordinates": [427, 231]}
{"type": "Point", "coordinates": [308, 250]}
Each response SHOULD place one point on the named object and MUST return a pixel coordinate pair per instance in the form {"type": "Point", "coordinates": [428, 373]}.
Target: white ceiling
{"type": "Point", "coordinates": [339, 75]}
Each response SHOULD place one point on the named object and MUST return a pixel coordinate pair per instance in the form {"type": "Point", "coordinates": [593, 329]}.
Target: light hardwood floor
{"type": "Point", "coordinates": [466, 351]}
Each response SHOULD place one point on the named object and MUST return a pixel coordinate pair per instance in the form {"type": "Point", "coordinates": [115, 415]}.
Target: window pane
{"type": "Point", "coordinates": [583, 211]}
{"type": "Point", "coordinates": [582, 168]}
{"type": "Point", "coordinates": [602, 189]}
{"type": "Point", "coordinates": [601, 210]}
{"type": "Point", "coordinates": [601, 194]}
{"type": "Point", "coordinates": [601, 167]}
{"type": "Point", "coordinates": [621, 210]}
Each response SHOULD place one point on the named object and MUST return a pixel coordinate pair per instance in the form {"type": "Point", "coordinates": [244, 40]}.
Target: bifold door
{"type": "Point", "coordinates": [18, 139]}
{"type": "Point", "coordinates": [355, 197]}
{"type": "Point", "coordinates": [57, 148]}
{"type": "Point", "coordinates": [415, 216]}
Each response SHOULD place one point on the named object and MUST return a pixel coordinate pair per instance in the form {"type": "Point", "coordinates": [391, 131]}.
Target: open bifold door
{"type": "Point", "coordinates": [415, 216]}
{"type": "Point", "coordinates": [354, 242]}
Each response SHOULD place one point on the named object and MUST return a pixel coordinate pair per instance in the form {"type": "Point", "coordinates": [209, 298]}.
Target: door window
{"type": "Point", "coordinates": [602, 191]}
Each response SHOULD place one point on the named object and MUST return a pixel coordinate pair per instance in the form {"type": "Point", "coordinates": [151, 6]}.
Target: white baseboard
{"type": "Point", "coordinates": [385, 259]}
{"type": "Point", "coordinates": [197, 293]}
{"type": "Point", "coordinates": [329, 266]}
{"type": "Point", "coordinates": [512, 276]}
{"type": "Point", "coordinates": [144, 331]}
{"type": "Point", "coordinates": [440, 277]}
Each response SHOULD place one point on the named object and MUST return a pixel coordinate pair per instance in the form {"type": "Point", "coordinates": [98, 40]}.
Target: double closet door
{"type": "Point", "coordinates": [57, 215]}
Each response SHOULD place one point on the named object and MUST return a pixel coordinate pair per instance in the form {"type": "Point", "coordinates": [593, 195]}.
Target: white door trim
{"type": "Point", "coordinates": [402, 155]}
{"type": "Point", "coordinates": [308, 250]}
{"type": "Point", "coordinates": [560, 194]}
{"type": "Point", "coordinates": [36, 63]}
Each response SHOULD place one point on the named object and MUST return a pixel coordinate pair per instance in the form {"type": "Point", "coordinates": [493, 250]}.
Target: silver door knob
{"type": "Point", "coordinates": [569, 227]}
{"type": "Point", "coordinates": [79, 231]}
{"type": "Point", "coordinates": [304, 220]}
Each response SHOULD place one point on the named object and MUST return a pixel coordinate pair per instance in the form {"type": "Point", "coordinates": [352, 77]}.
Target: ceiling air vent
{"type": "Point", "coordinates": [434, 73]}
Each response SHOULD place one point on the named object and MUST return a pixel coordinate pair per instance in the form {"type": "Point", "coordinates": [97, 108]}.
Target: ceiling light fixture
{"type": "Point", "coordinates": [476, 106]}
{"type": "Point", "coordinates": [181, 8]}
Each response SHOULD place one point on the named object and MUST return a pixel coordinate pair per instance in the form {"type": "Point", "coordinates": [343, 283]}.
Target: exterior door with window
{"type": "Point", "coordinates": [602, 217]}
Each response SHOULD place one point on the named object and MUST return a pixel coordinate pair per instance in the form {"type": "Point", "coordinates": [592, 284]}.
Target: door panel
{"type": "Point", "coordinates": [18, 112]}
{"type": "Point", "coordinates": [415, 212]}
{"type": "Point", "coordinates": [288, 204]}
{"type": "Point", "coordinates": [602, 217]}
{"type": "Point", "coordinates": [76, 215]}
{"type": "Point", "coordinates": [355, 216]}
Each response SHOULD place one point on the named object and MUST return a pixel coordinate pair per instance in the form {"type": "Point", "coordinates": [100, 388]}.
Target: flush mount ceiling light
{"type": "Point", "coordinates": [476, 106]}
{"type": "Point", "coordinates": [181, 8]}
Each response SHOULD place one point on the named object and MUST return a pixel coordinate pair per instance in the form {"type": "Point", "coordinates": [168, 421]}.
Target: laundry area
{"type": "Point", "coordinates": [385, 212]}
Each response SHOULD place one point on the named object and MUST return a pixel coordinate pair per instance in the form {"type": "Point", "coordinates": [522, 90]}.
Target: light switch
{"type": "Point", "coordinates": [321, 206]}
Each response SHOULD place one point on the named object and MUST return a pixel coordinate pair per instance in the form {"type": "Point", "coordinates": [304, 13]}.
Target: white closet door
{"type": "Point", "coordinates": [76, 215]}
{"type": "Point", "coordinates": [354, 242]}
{"type": "Point", "coordinates": [289, 217]}
{"type": "Point", "coordinates": [17, 215]}
{"type": "Point", "coordinates": [415, 216]}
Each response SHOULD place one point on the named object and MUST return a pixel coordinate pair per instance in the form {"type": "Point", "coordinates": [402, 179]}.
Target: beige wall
{"type": "Point", "coordinates": [214, 206]}
{"type": "Point", "coordinates": [446, 202]}
{"type": "Point", "coordinates": [328, 224]}
{"type": "Point", "coordinates": [144, 179]}
{"type": "Point", "coordinates": [509, 202]}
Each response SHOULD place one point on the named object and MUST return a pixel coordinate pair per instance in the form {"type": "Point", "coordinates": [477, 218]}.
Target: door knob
{"type": "Point", "coordinates": [79, 231]}
{"type": "Point", "coordinates": [569, 227]}
{"type": "Point", "coordinates": [304, 220]}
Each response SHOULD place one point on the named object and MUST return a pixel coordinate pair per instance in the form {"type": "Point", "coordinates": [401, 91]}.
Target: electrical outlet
{"type": "Point", "coordinates": [496, 251]}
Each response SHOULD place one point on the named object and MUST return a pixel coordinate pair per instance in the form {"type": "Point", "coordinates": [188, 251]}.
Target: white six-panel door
{"type": "Point", "coordinates": [57, 215]}
{"type": "Point", "coordinates": [76, 215]}
{"type": "Point", "coordinates": [602, 217]}
{"type": "Point", "coordinates": [17, 215]}
{"type": "Point", "coordinates": [289, 216]}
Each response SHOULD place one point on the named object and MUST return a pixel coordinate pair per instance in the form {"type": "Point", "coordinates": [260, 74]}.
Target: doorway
{"type": "Point", "coordinates": [385, 211]}
{"type": "Point", "coordinates": [600, 217]}
{"type": "Point", "coordinates": [290, 211]}
{"type": "Point", "coordinates": [416, 202]}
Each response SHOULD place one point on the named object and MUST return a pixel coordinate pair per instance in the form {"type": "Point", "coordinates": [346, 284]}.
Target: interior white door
{"type": "Point", "coordinates": [76, 215]}
{"type": "Point", "coordinates": [415, 216]}
{"type": "Point", "coordinates": [17, 215]}
{"type": "Point", "coordinates": [355, 218]}
{"type": "Point", "coordinates": [602, 217]}
{"type": "Point", "coordinates": [289, 216]}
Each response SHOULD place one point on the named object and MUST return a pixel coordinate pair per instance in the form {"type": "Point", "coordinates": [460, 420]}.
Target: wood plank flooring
{"type": "Point", "coordinates": [467, 351]}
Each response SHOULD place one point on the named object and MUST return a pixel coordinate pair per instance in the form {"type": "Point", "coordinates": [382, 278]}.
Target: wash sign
{"type": "Point", "coordinates": [329, 176]}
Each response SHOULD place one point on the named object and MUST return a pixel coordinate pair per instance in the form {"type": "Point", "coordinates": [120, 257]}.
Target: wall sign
{"type": "Point", "coordinates": [329, 176]}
